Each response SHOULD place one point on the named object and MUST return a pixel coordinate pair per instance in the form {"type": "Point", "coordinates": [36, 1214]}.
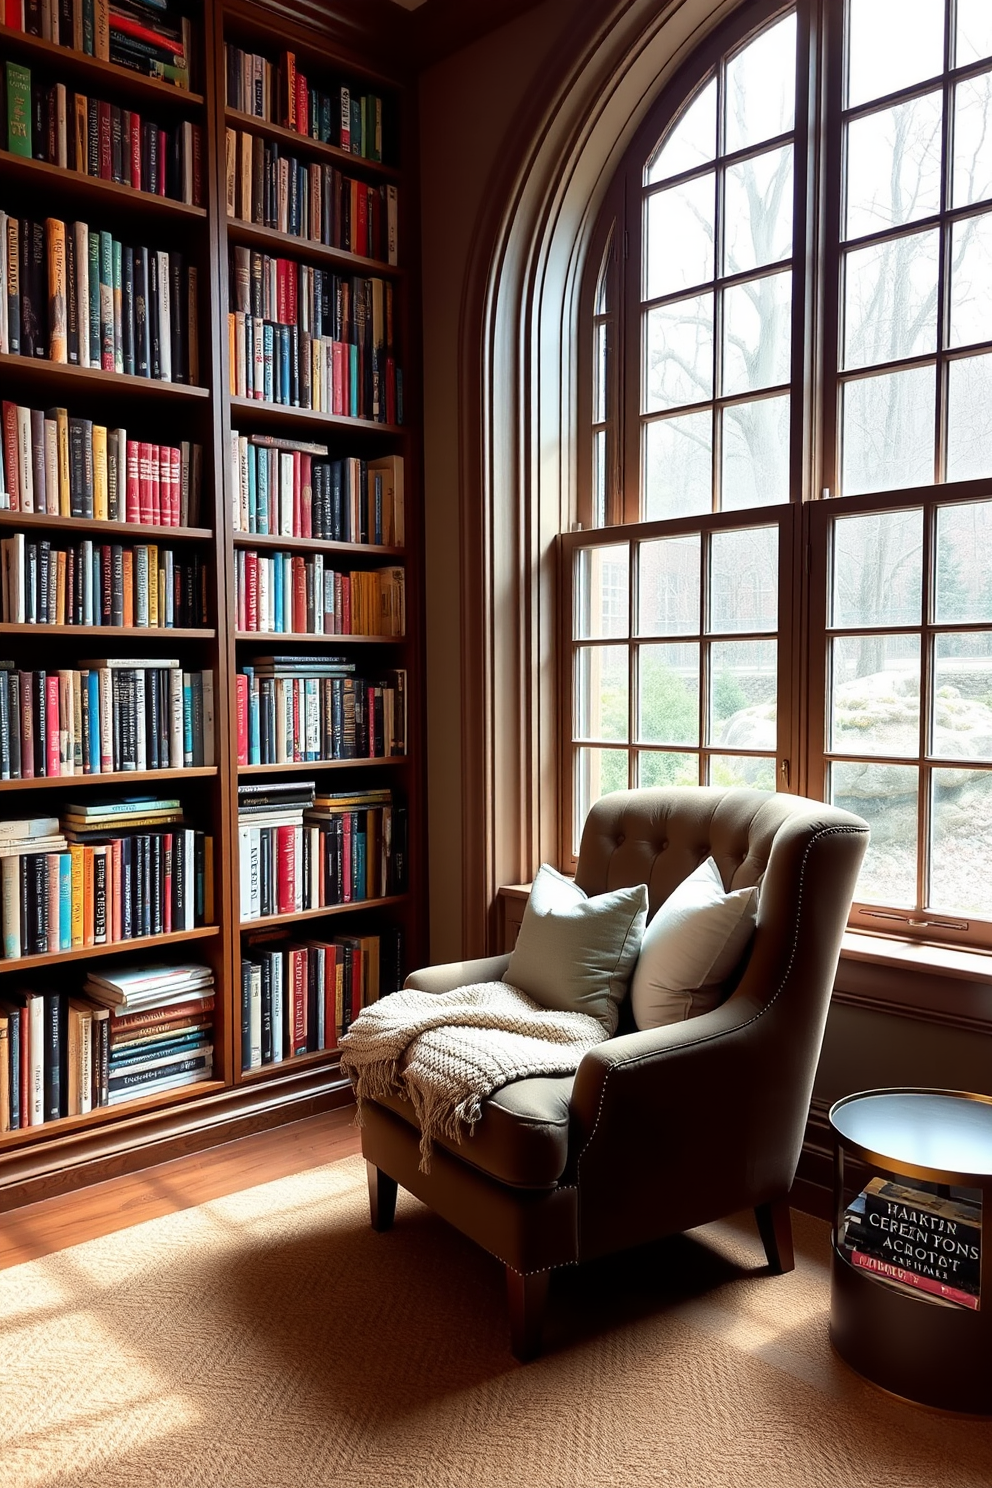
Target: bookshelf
{"type": "Point", "coordinates": [57, 1154]}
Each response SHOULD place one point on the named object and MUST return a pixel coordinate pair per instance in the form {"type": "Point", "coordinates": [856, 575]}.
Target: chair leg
{"type": "Point", "coordinates": [382, 1197]}
{"type": "Point", "coordinates": [775, 1229]}
{"type": "Point", "coordinates": [527, 1296]}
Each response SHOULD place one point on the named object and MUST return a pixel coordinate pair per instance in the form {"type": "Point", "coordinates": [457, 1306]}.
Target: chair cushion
{"type": "Point", "coordinates": [521, 1138]}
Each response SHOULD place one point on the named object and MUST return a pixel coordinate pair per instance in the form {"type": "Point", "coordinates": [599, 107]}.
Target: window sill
{"type": "Point", "coordinates": [938, 984]}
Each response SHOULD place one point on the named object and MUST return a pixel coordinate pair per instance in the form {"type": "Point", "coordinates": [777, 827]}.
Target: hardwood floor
{"type": "Point", "coordinates": [38, 1230]}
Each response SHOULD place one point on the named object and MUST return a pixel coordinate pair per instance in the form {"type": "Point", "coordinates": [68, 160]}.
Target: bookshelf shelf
{"type": "Point", "coordinates": [65, 381]}
{"type": "Point", "coordinates": [91, 73]}
{"type": "Point", "coordinates": [308, 250]}
{"type": "Point", "coordinates": [292, 1061]}
{"type": "Point", "coordinates": [112, 781]}
{"type": "Point", "coordinates": [315, 149]}
{"type": "Point", "coordinates": [299, 637]}
{"type": "Point", "coordinates": [256, 411]}
{"type": "Point", "coordinates": [305, 765]}
{"type": "Point", "coordinates": [73, 186]}
{"type": "Point", "coordinates": [100, 1118]}
{"type": "Point", "coordinates": [119, 633]}
{"type": "Point", "coordinates": [50, 522]}
{"type": "Point", "coordinates": [353, 907]}
{"type": "Point", "coordinates": [114, 948]}
{"type": "Point", "coordinates": [314, 545]}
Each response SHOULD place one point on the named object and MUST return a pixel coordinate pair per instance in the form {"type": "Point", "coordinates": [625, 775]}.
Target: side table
{"type": "Point", "coordinates": [913, 1344]}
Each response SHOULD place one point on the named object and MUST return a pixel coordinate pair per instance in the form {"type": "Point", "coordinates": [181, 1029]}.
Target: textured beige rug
{"type": "Point", "coordinates": [272, 1339]}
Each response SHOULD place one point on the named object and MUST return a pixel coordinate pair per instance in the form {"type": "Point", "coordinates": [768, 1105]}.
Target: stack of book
{"type": "Point", "coordinates": [46, 121]}
{"type": "Point", "coordinates": [54, 1058]}
{"type": "Point", "coordinates": [298, 709]}
{"type": "Point", "coordinates": [144, 586]}
{"type": "Point", "coordinates": [270, 835]}
{"type": "Point", "coordinates": [284, 488]}
{"type": "Point", "coordinates": [160, 1027]}
{"type": "Point", "coordinates": [80, 296]}
{"type": "Point", "coordinates": [286, 593]}
{"type": "Point", "coordinates": [916, 1241]}
{"type": "Point", "coordinates": [35, 887]}
{"type": "Point", "coordinates": [148, 36]}
{"type": "Point", "coordinates": [282, 94]}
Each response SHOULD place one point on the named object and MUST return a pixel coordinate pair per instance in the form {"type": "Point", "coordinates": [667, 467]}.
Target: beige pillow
{"type": "Point", "coordinates": [690, 948]}
{"type": "Point", "coordinates": [576, 954]}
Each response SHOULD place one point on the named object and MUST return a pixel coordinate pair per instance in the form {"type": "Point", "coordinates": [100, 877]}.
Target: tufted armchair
{"type": "Point", "coordinates": [662, 1130]}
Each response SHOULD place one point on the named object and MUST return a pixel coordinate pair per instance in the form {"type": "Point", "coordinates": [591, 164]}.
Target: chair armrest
{"type": "Point", "coordinates": [458, 974]}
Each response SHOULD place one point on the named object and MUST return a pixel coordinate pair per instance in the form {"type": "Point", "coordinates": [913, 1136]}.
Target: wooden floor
{"type": "Point", "coordinates": [40, 1229]}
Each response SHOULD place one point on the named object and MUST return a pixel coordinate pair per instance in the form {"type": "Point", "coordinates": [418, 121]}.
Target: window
{"type": "Point", "coordinates": [783, 572]}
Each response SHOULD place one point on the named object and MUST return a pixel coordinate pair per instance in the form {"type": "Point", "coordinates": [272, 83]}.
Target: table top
{"type": "Point", "coordinates": [950, 1131]}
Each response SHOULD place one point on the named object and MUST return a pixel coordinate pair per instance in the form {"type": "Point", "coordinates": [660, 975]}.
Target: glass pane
{"type": "Point", "coordinates": [599, 374]}
{"type": "Point", "coordinates": [890, 300]}
{"type": "Point", "coordinates": [679, 234]}
{"type": "Point", "coordinates": [597, 773]}
{"type": "Point", "coordinates": [973, 140]}
{"type": "Point", "coordinates": [733, 769]}
{"type": "Point", "coordinates": [662, 768]}
{"type": "Point", "coordinates": [757, 218]}
{"type": "Point", "coordinates": [668, 704]}
{"type": "Point", "coordinates": [757, 323]}
{"type": "Point", "coordinates": [602, 580]}
{"type": "Point", "coordinates": [755, 454]}
{"type": "Point", "coordinates": [878, 569]}
{"type": "Point", "coordinates": [668, 586]}
{"type": "Point", "coordinates": [692, 140]}
{"type": "Point", "coordinates": [887, 431]}
{"type": "Point", "coordinates": [601, 690]}
{"type": "Point", "coordinates": [744, 579]}
{"type": "Point", "coordinates": [971, 281]}
{"type": "Point", "coordinates": [885, 795]}
{"type": "Point", "coordinates": [974, 40]}
{"type": "Point", "coordinates": [893, 166]}
{"type": "Point", "coordinates": [962, 696]}
{"type": "Point", "coordinates": [891, 44]}
{"type": "Point", "coordinates": [960, 882]}
{"type": "Point", "coordinates": [743, 692]}
{"type": "Point", "coordinates": [875, 695]}
{"type": "Point", "coordinates": [599, 478]}
{"type": "Point", "coordinates": [964, 576]}
{"type": "Point", "coordinates": [969, 418]}
{"type": "Point", "coordinates": [761, 87]}
{"type": "Point", "coordinates": [678, 353]}
{"type": "Point", "coordinates": [605, 279]}
{"type": "Point", "coordinates": [678, 467]}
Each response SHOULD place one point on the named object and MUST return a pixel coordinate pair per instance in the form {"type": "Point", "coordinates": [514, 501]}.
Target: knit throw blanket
{"type": "Point", "coordinates": [447, 1052]}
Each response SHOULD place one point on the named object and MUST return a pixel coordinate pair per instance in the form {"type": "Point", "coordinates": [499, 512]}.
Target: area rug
{"type": "Point", "coordinates": [271, 1340]}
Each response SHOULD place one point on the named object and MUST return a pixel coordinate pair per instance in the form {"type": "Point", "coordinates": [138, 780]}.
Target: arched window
{"type": "Point", "coordinates": [783, 573]}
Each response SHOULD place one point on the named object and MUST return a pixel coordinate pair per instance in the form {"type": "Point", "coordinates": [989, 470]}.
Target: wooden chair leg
{"type": "Point", "coordinates": [775, 1229]}
{"type": "Point", "coordinates": [382, 1197]}
{"type": "Point", "coordinates": [527, 1296]}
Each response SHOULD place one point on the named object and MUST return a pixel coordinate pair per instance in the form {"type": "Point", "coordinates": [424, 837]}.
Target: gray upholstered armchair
{"type": "Point", "coordinates": [662, 1130]}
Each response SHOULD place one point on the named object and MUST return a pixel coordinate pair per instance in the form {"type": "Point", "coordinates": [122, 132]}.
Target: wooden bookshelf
{"type": "Point", "coordinates": [130, 633]}
{"type": "Point", "coordinates": [307, 250]}
{"type": "Point", "coordinates": [91, 195]}
{"type": "Point", "coordinates": [67, 382]}
{"type": "Point", "coordinates": [108, 948]}
{"type": "Point", "coordinates": [25, 521]}
{"type": "Point", "coordinates": [355, 906]}
{"type": "Point", "coordinates": [113, 780]}
{"type": "Point", "coordinates": [90, 74]}
{"type": "Point", "coordinates": [290, 140]}
{"type": "Point", "coordinates": [315, 545]}
{"type": "Point", "coordinates": [282, 415]}
{"type": "Point", "coordinates": [295, 767]}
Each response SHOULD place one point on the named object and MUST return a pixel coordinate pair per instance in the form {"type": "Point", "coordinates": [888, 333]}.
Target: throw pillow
{"type": "Point", "coordinates": [574, 953]}
{"type": "Point", "coordinates": [690, 947]}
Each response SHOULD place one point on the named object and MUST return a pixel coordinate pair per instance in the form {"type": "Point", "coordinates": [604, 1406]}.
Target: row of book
{"type": "Point", "coordinates": [284, 486]}
{"type": "Point", "coordinates": [152, 37]}
{"type": "Point", "coordinates": [78, 295]}
{"type": "Point", "coordinates": [297, 710]}
{"type": "Point", "coordinates": [309, 200]}
{"type": "Point", "coordinates": [281, 94]}
{"type": "Point", "coordinates": [106, 871]}
{"type": "Point", "coordinates": [300, 997]}
{"type": "Point", "coordinates": [352, 308]}
{"type": "Point", "coordinates": [110, 716]}
{"type": "Point", "coordinates": [133, 1032]}
{"type": "Point", "coordinates": [302, 851]}
{"type": "Point", "coordinates": [105, 584]}
{"type": "Point", "coordinates": [916, 1241]}
{"type": "Point", "coordinates": [72, 467]}
{"type": "Point", "coordinates": [46, 121]}
{"type": "Point", "coordinates": [287, 593]}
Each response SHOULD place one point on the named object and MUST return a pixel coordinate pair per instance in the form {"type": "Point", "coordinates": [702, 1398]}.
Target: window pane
{"type": "Point", "coordinates": [601, 690]}
{"type": "Point", "coordinates": [971, 281]}
{"type": "Point", "coordinates": [757, 218]}
{"type": "Point", "coordinates": [679, 236]}
{"type": "Point", "coordinates": [757, 320]}
{"type": "Point", "coordinates": [599, 374]}
{"type": "Point", "coordinates": [886, 796]}
{"type": "Point", "coordinates": [973, 140]}
{"type": "Point", "coordinates": [755, 454]}
{"type": "Point", "coordinates": [599, 478]}
{"type": "Point", "coordinates": [887, 431]}
{"type": "Point", "coordinates": [960, 882]}
{"type": "Point", "coordinates": [602, 581]}
{"type": "Point", "coordinates": [668, 586]}
{"type": "Point", "coordinates": [892, 43]}
{"type": "Point", "coordinates": [661, 768]}
{"type": "Point", "coordinates": [878, 569]}
{"type": "Point", "coordinates": [597, 773]}
{"type": "Point", "coordinates": [678, 467]}
{"type": "Point", "coordinates": [962, 696]}
{"type": "Point", "coordinates": [964, 577]}
{"type": "Point", "coordinates": [761, 87]}
{"type": "Point", "coordinates": [691, 142]}
{"type": "Point", "coordinates": [893, 166]}
{"type": "Point", "coordinates": [730, 769]}
{"type": "Point", "coordinates": [974, 40]}
{"type": "Point", "coordinates": [875, 695]}
{"type": "Point", "coordinates": [744, 579]}
{"type": "Point", "coordinates": [743, 694]}
{"type": "Point", "coordinates": [890, 300]}
{"type": "Point", "coordinates": [678, 353]}
{"type": "Point", "coordinates": [969, 418]}
{"type": "Point", "coordinates": [668, 704]}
